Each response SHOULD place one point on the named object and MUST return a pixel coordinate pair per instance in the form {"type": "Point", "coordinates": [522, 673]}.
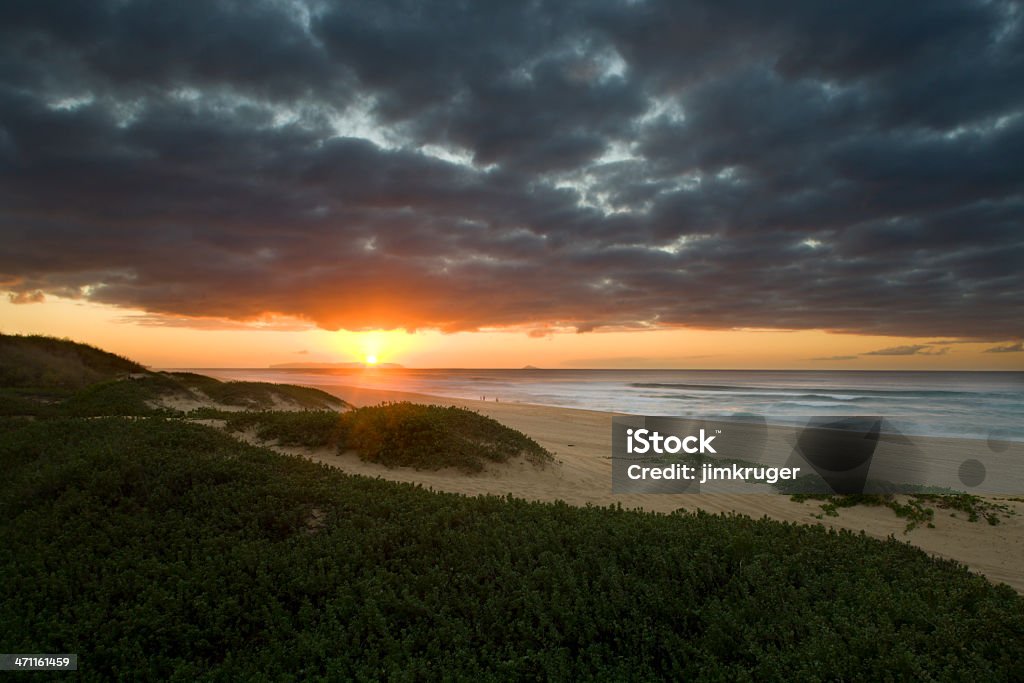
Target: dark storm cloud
{"type": "Point", "coordinates": [845, 166]}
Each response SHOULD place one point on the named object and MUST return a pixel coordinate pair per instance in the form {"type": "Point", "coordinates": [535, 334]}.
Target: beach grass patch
{"type": "Point", "coordinates": [306, 428]}
{"type": "Point", "coordinates": [259, 395]}
{"type": "Point", "coordinates": [432, 437]}
{"type": "Point", "coordinates": [123, 397]}
{"type": "Point", "coordinates": [43, 362]}
{"type": "Point", "coordinates": [916, 508]}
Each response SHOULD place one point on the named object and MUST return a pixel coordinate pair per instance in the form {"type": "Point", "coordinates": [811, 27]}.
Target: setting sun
{"type": "Point", "coordinates": [371, 360]}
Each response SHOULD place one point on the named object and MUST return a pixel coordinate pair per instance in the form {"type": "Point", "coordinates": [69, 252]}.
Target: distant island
{"type": "Point", "coordinates": [320, 366]}
{"type": "Point", "coordinates": [529, 367]}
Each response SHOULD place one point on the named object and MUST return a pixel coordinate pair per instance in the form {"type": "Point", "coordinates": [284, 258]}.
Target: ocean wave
{"type": "Point", "coordinates": [808, 404]}
{"type": "Point", "coordinates": [767, 396]}
{"type": "Point", "coordinates": [842, 398]}
{"type": "Point", "coordinates": [853, 393]}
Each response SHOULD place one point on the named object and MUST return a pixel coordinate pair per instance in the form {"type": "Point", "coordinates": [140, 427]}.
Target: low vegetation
{"type": "Point", "coordinates": [311, 429]}
{"type": "Point", "coordinates": [434, 437]}
{"type": "Point", "coordinates": [16, 401]}
{"type": "Point", "coordinates": [916, 508]}
{"type": "Point", "coordinates": [46, 363]}
{"type": "Point", "coordinates": [154, 394]}
{"type": "Point", "coordinates": [258, 395]}
{"type": "Point", "coordinates": [136, 397]}
{"type": "Point", "coordinates": [396, 435]}
{"type": "Point", "coordinates": [163, 550]}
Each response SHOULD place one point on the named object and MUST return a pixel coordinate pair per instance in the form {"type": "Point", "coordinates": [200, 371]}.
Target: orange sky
{"type": "Point", "coordinates": [132, 334]}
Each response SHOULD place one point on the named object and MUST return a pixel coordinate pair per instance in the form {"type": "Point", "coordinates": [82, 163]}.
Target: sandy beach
{"type": "Point", "coordinates": [581, 475]}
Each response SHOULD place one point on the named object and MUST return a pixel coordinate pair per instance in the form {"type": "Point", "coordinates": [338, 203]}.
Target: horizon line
{"type": "Point", "coordinates": [549, 369]}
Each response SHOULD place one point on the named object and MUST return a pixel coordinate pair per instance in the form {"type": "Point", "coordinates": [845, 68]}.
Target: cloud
{"type": "Point", "coordinates": [26, 297]}
{"type": "Point", "coordinates": [615, 362]}
{"type": "Point", "coordinates": [910, 350]}
{"type": "Point", "coordinates": [1017, 347]}
{"type": "Point", "coordinates": [539, 165]}
{"type": "Point", "coordinates": [835, 358]}
{"type": "Point", "coordinates": [280, 324]}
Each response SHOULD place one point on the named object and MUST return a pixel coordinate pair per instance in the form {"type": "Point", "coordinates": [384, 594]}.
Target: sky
{"type": "Point", "coordinates": [561, 184]}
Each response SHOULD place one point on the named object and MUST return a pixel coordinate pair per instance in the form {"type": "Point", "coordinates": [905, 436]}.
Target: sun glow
{"type": "Point", "coordinates": [374, 347]}
{"type": "Point", "coordinates": [181, 346]}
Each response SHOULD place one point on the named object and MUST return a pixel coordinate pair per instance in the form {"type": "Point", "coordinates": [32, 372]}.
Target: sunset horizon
{"type": "Point", "coordinates": [189, 348]}
{"type": "Point", "coordinates": [222, 343]}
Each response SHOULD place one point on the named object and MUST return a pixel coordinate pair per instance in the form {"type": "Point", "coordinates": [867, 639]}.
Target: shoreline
{"type": "Point", "coordinates": [945, 406]}
{"type": "Point", "coordinates": [581, 475]}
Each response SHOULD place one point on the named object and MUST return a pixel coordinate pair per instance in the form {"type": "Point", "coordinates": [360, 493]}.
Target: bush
{"type": "Point", "coordinates": [161, 550]}
{"type": "Point", "coordinates": [27, 402]}
{"type": "Point", "coordinates": [259, 395]}
{"type": "Point", "coordinates": [394, 434]}
{"type": "Point", "coordinates": [309, 428]}
{"type": "Point", "coordinates": [122, 397]}
{"type": "Point", "coordinates": [434, 437]}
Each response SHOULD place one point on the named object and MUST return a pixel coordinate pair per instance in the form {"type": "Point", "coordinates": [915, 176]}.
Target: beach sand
{"type": "Point", "coordinates": [581, 475]}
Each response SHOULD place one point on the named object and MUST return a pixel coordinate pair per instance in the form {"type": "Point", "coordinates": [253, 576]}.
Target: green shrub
{"type": "Point", "coordinates": [309, 428]}
{"type": "Point", "coordinates": [29, 402]}
{"type": "Point", "coordinates": [122, 397]}
{"type": "Point", "coordinates": [161, 550]}
{"type": "Point", "coordinates": [259, 395]}
{"type": "Point", "coordinates": [136, 396]}
{"type": "Point", "coordinates": [434, 437]}
{"type": "Point", "coordinates": [393, 434]}
{"type": "Point", "coordinates": [916, 508]}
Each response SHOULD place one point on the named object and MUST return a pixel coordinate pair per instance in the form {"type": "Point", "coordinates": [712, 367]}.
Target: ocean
{"type": "Point", "coordinates": [987, 405]}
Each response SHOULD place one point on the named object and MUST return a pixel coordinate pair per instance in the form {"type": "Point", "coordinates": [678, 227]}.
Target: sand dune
{"type": "Point", "coordinates": [581, 475]}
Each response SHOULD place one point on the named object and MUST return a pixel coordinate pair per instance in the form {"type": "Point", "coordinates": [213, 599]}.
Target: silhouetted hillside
{"type": "Point", "coordinates": [47, 362]}
{"type": "Point", "coordinates": [45, 376]}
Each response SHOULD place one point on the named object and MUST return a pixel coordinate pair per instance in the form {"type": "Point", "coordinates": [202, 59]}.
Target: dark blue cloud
{"type": "Point", "coordinates": [844, 166]}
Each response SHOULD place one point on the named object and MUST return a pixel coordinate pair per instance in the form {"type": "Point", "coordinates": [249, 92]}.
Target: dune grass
{"type": "Point", "coordinates": [258, 395]}
{"type": "Point", "coordinates": [917, 508]}
{"type": "Point", "coordinates": [122, 397]}
{"type": "Point", "coordinates": [16, 401]}
{"type": "Point", "coordinates": [40, 362]}
{"type": "Point", "coordinates": [434, 437]}
{"type": "Point", "coordinates": [141, 397]}
{"type": "Point", "coordinates": [424, 437]}
{"type": "Point", "coordinates": [158, 549]}
{"type": "Point", "coordinates": [310, 429]}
